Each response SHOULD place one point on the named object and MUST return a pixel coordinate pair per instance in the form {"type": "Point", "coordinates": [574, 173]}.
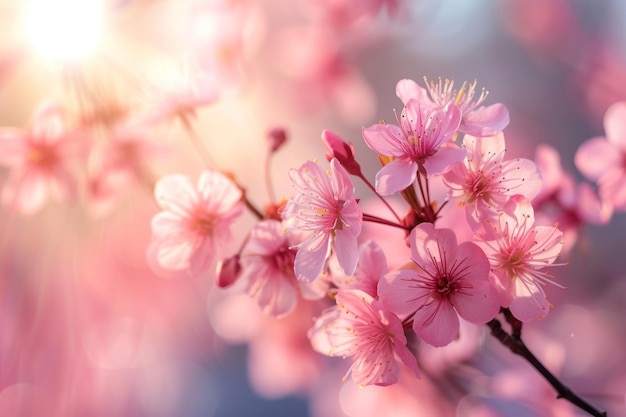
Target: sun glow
{"type": "Point", "coordinates": [64, 29]}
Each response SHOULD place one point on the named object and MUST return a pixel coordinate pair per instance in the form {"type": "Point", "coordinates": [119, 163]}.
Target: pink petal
{"type": "Point", "coordinates": [385, 139]}
{"type": "Point", "coordinates": [342, 183]}
{"type": "Point", "coordinates": [177, 194]}
{"type": "Point", "coordinates": [428, 242]}
{"type": "Point", "coordinates": [485, 121]}
{"type": "Point", "coordinates": [219, 194]}
{"type": "Point", "coordinates": [202, 256]}
{"type": "Point", "coordinates": [595, 156]}
{"type": "Point", "coordinates": [392, 291]}
{"type": "Point", "coordinates": [166, 224]}
{"type": "Point", "coordinates": [395, 176]}
{"type": "Point", "coordinates": [529, 303]}
{"type": "Point", "coordinates": [615, 125]}
{"type": "Point", "coordinates": [590, 208]}
{"type": "Point", "coordinates": [408, 89]}
{"type": "Point", "coordinates": [174, 253]}
{"type": "Point", "coordinates": [613, 188]}
{"type": "Point", "coordinates": [347, 250]}
{"type": "Point", "coordinates": [310, 259]}
{"type": "Point", "coordinates": [446, 156]}
{"type": "Point", "coordinates": [437, 323]}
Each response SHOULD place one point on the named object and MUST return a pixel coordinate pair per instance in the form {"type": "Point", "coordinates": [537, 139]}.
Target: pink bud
{"type": "Point", "coordinates": [338, 148]}
{"type": "Point", "coordinates": [276, 136]}
{"type": "Point", "coordinates": [228, 271]}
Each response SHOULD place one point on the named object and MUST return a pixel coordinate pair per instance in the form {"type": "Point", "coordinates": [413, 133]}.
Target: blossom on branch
{"type": "Point", "coordinates": [421, 141]}
{"type": "Point", "coordinates": [267, 269]}
{"type": "Point", "coordinates": [193, 221]}
{"type": "Point", "coordinates": [327, 214]}
{"type": "Point", "coordinates": [517, 257]}
{"type": "Point", "coordinates": [485, 182]}
{"type": "Point", "coordinates": [451, 280]}
{"type": "Point", "coordinates": [362, 327]}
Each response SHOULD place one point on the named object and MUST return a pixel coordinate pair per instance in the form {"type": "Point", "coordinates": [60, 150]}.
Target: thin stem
{"type": "Point", "coordinates": [385, 202]}
{"type": "Point", "coordinates": [380, 220]}
{"type": "Point", "coordinates": [206, 157]}
{"type": "Point", "coordinates": [426, 198]}
{"type": "Point", "coordinates": [517, 346]}
{"type": "Point", "coordinates": [268, 178]}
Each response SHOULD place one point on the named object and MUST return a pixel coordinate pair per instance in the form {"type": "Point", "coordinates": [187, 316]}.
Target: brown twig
{"type": "Point", "coordinates": [515, 344]}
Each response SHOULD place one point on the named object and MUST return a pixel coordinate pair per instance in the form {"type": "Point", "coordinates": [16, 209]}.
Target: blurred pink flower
{"type": "Point", "coordinates": [603, 159]}
{"type": "Point", "coordinates": [193, 220]}
{"type": "Point", "coordinates": [118, 164]}
{"type": "Point", "coordinates": [267, 269]}
{"type": "Point", "coordinates": [564, 201]}
{"type": "Point", "coordinates": [362, 327]}
{"type": "Point", "coordinates": [39, 159]}
{"type": "Point", "coordinates": [485, 182]}
{"type": "Point", "coordinates": [421, 141]}
{"type": "Point", "coordinates": [451, 281]}
{"type": "Point", "coordinates": [326, 211]}
{"type": "Point", "coordinates": [517, 257]}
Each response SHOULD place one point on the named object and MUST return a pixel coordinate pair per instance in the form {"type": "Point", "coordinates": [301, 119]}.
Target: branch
{"type": "Point", "coordinates": [516, 345]}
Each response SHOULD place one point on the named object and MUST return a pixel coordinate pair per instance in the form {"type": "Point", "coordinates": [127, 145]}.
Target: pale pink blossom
{"type": "Point", "coordinates": [484, 181]}
{"type": "Point", "coordinates": [364, 328]}
{"type": "Point", "coordinates": [451, 280]}
{"type": "Point", "coordinates": [194, 220]}
{"type": "Point", "coordinates": [39, 160]}
{"type": "Point", "coordinates": [420, 142]}
{"type": "Point", "coordinates": [268, 269]}
{"type": "Point", "coordinates": [603, 159]}
{"type": "Point", "coordinates": [518, 256]}
{"type": "Point", "coordinates": [327, 214]}
{"type": "Point", "coordinates": [476, 120]}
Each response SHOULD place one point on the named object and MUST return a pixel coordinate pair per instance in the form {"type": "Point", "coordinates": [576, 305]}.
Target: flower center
{"type": "Point", "coordinates": [43, 156]}
{"type": "Point", "coordinates": [444, 285]}
{"type": "Point", "coordinates": [203, 224]}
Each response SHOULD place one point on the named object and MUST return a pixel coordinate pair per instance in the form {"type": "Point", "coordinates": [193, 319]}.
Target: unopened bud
{"type": "Point", "coordinates": [228, 271]}
{"type": "Point", "coordinates": [338, 148]}
{"type": "Point", "coordinates": [277, 137]}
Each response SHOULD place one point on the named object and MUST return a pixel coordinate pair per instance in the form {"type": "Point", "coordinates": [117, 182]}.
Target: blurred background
{"type": "Point", "coordinates": [88, 329]}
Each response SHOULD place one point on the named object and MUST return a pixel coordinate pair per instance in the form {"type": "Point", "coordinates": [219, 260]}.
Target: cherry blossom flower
{"type": "Point", "coordinates": [451, 281]}
{"type": "Point", "coordinates": [39, 159]}
{"type": "Point", "coordinates": [327, 214]}
{"type": "Point", "coordinates": [193, 220]}
{"type": "Point", "coordinates": [517, 257]}
{"type": "Point", "coordinates": [267, 269]}
{"type": "Point", "coordinates": [484, 181]}
{"type": "Point", "coordinates": [362, 327]}
{"type": "Point", "coordinates": [419, 142]}
{"type": "Point", "coordinates": [603, 159]}
{"type": "Point", "coordinates": [476, 120]}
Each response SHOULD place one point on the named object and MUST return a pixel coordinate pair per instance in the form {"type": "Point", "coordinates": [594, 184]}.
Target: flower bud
{"type": "Point", "coordinates": [277, 137]}
{"type": "Point", "coordinates": [338, 148]}
{"type": "Point", "coordinates": [228, 271]}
